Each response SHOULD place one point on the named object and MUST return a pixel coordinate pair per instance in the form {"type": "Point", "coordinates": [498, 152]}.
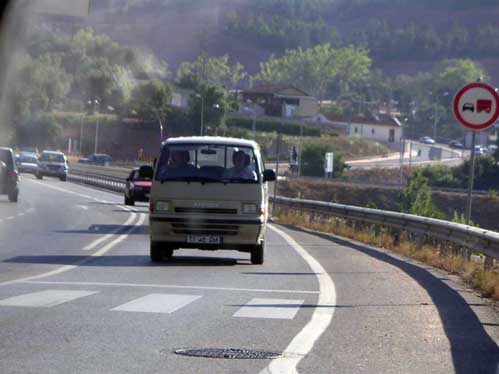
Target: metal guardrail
{"type": "Point", "coordinates": [99, 177]}
{"type": "Point", "coordinates": [476, 239]}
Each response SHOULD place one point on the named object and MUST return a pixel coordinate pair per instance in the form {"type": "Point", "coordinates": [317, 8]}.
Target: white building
{"type": "Point", "coordinates": [387, 130]}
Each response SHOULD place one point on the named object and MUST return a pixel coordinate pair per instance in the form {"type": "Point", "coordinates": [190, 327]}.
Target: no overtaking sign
{"type": "Point", "coordinates": [476, 106]}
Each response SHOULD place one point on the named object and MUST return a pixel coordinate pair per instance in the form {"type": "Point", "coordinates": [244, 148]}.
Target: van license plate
{"type": "Point", "coordinates": [204, 239]}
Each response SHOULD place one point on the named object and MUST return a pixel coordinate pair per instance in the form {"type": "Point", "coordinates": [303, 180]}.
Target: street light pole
{"type": "Point", "coordinates": [202, 114]}
{"type": "Point", "coordinates": [96, 147]}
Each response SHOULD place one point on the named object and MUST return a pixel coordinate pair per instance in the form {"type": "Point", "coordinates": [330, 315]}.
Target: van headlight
{"type": "Point", "coordinates": [162, 206]}
{"type": "Point", "coordinates": [249, 208]}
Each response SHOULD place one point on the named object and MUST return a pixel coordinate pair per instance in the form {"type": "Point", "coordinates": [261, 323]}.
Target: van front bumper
{"type": "Point", "coordinates": [238, 234]}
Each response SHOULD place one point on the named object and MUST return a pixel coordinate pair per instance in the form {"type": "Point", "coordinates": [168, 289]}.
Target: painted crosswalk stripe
{"type": "Point", "coordinates": [157, 303]}
{"type": "Point", "coordinates": [270, 308]}
{"type": "Point", "coordinates": [45, 299]}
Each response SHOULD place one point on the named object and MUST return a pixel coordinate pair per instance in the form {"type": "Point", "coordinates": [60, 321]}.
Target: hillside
{"type": "Point", "coordinates": [403, 36]}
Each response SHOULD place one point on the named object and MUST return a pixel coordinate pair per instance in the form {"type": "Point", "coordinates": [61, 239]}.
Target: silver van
{"type": "Point", "coordinates": [208, 193]}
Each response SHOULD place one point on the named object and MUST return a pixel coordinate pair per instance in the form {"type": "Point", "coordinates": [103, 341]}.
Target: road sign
{"type": "Point", "coordinates": [476, 106]}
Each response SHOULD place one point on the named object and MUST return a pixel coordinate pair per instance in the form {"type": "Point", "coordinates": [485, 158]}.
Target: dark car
{"type": "Point", "coordinates": [100, 159]}
{"type": "Point", "coordinates": [9, 177]}
{"type": "Point", "coordinates": [456, 144]}
{"type": "Point", "coordinates": [468, 106]}
{"type": "Point", "coordinates": [137, 188]}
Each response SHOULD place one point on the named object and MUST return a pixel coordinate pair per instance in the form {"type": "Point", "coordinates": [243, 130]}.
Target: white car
{"type": "Point", "coordinates": [426, 140]}
{"type": "Point", "coordinates": [52, 164]}
{"type": "Point", "coordinates": [480, 150]}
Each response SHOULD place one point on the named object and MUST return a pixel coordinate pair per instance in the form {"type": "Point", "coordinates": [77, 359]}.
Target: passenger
{"type": "Point", "coordinates": [178, 166]}
{"type": "Point", "coordinates": [241, 168]}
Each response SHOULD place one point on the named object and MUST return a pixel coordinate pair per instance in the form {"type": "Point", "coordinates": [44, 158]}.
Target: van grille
{"type": "Point", "coordinates": [204, 229]}
{"type": "Point", "coordinates": [205, 210]}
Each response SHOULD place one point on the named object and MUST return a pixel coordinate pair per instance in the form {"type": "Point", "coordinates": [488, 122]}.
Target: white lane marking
{"type": "Point", "coordinates": [174, 286]}
{"type": "Point", "coordinates": [45, 299]}
{"type": "Point", "coordinates": [97, 242]}
{"type": "Point", "coordinates": [100, 252]}
{"type": "Point", "coordinates": [11, 217]}
{"type": "Point", "coordinates": [157, 303]}
{"type": "Point", "coordinates": [304, 341]}
{"type": "Point", "coordinates": [270, 308]}
{"type": "Point", "coordinates": [20, 214]}
{"type": "Point", "coordinates": [84, 207]}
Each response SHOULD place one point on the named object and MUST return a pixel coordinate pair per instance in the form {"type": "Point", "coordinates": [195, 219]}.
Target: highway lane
{"type": "Point", "coordinates": [116, 312]}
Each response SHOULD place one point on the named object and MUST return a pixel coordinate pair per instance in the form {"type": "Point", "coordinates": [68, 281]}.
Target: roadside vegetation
{"type": "Point", "coordinates": [441, 255]}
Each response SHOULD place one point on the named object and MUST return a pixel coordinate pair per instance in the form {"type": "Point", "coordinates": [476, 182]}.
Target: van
{"type": "Point", "coordinates": [208, 193]}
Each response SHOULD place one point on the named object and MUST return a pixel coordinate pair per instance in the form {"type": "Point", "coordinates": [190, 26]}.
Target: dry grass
{"type": "Point", "coordinates": [486, 281]}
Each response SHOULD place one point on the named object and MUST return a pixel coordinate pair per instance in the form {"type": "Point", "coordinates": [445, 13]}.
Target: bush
{"type": "Point", "coordinates": [270, 125]}
{"type": "Point", "coordinates": [312, 163]}
{"type": "Point", "coordinates": [417, 199]}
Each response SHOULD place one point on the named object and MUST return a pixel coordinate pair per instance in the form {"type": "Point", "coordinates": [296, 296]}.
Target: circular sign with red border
{"type": "Point", "coordinates": [476, 106]}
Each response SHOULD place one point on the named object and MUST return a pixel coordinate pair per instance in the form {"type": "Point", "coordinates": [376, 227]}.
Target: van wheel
{"type": "Point", "coordinates": [257, 254]}
{"type": "Point", "coordinates": [63, 178]}
{"type": "Point", "coordinates": [156, 252]}
{"type": "Point", "coordinates": [39, 176]}
{"type": "Point", "coordinates": [168, 252]}
{"type": "Point", "coordinates": [13, 196]}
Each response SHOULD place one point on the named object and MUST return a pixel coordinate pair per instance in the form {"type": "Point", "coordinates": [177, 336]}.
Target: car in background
{"type": "Point", "coordinates": [9, 176]}
{"type": "Point", "coordinates": [52, 164]}
{"type": "Point", "coordinates": [480, 150]}
{"type": "Point", "coordinates": [100, 159]}
{"type": "Point", "coordinates": [492, 148]}
{"type": "Point", "coordinates": [426, 140]}
{"type": "Point", "coordinates": [137, 187]}
{"type": "Point", "coordinates": [27, 163]}
{"type": "Point", "coordinates": [32, 150]}
{"type": "Point", "coordinates": [456, 144]}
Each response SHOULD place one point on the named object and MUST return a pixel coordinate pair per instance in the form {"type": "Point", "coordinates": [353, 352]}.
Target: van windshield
{"type": "Point", "coordinates": [215, 163]}
{"type": "Point", "coordinates": [52, 157]}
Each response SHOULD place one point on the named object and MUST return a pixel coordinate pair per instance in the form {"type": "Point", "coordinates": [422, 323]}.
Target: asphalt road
{"type": "Point", "coordinates": [78, 294]}
{"type": "Point", "coordinates": [420, 156]}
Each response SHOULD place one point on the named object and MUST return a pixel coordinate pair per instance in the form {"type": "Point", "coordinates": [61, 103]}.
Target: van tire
{"type": "Point", "coordinates": [39, 176]}
{"type": "Point", "coordinates": [63, 178]}
{"type": "Point", "coordinates": [257, 254]}
{"type": "Point", "coordinates": [168, 252]}
{"type": "Point", "coordinates": [156, 252]}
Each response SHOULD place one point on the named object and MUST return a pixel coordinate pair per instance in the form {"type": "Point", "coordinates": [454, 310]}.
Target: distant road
{"type": "Point", "coordinates": [421, 155]}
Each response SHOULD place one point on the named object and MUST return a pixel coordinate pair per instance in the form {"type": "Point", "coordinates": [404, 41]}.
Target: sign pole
{"type": "Point", "coordinates": [476, 107]}
{"type": "Point", "coordinates": [472, 177]}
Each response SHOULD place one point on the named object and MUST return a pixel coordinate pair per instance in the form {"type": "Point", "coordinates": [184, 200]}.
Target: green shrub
{"type": "Point", "coordinates": [312, 162]}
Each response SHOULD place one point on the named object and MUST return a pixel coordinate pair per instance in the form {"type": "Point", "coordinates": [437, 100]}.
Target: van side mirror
{"type": "Point", "coordinates": [146, 171]}
{"type": "Point", "coordinates": [269, 175]}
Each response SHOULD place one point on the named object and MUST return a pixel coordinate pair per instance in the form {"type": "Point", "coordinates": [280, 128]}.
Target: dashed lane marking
{"type": "Point", "coordinates": [270, 308]}
{"type": "Point", "coordinates": [46, 299]}
{"type": "Point", "coordinates": [157, 303]}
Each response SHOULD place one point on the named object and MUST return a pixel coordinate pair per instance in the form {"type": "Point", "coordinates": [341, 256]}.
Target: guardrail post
{"type": "Point", "coordinates": [488, 263]}
{"type": "Point", "coordinates": [419, 240]}
{"type": "Point", "coordinates": [396, 237]}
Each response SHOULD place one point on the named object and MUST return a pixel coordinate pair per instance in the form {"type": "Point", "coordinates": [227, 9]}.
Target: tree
{"type": "Point", "coordinates": [42, 83]}
{"type": "Point", "coordinates": [40, 130]}
{"type": "Point", "coordinates": [151, 101]}
{"type": "Point", "coordinates": [417, 199]}
{"type": "Point", "coordinates": [209, 103]}
{"type": "Point", "coordinates": [315, 68]}
{"type": "Point", "coordinates": [210, 70]}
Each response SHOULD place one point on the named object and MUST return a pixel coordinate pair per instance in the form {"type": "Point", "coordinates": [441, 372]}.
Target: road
{"type": "Point", "coordinates": [420, 155]}
{"type": "Point", "coordinates": [78, 294]}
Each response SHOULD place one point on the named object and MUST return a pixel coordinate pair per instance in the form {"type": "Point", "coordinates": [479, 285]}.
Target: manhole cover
{"type": "Point", "coordinates": [229, 353]}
